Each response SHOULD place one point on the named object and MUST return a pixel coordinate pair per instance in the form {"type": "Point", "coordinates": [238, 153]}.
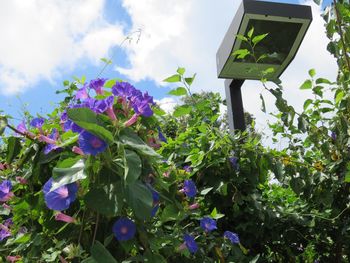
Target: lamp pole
{"type": "Point", "coordinates": [235, 112]}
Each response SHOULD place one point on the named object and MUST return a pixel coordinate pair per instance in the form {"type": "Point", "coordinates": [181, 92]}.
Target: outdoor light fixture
{"type": "Point", "coordinates": [286, 25]}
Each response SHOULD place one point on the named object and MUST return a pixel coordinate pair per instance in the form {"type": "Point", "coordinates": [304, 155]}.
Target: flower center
{"type": "Point", "coordinates": [63, 192]}
{"type": "Point", "coordinates": [96, 143]}
{"type": "Point", "coordinates": [124, 230]}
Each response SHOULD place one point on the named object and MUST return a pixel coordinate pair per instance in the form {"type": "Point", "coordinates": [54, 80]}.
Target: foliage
{"type": "Point", "coordinates": [109, 177]}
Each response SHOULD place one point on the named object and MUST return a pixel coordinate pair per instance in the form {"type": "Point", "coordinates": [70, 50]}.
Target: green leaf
{"type": "Point", "coordinates": [206, 190]}
{"type": "Point", "coordinates": [132, 167]}
{"type": "Point", "coordinates": [158, 111]}
{"type": "Point", "coordinates": [263, 107]}
{"type": "Point", "coordinates": [189, 81]}
{"type": "Point", "coordinates": [250, 32]}
{"type": "Point", "coordinates": [306, 85]}
{"type": "Point", "coordinates": [323, 81]}
{"type": "Point", "coordinates": [307, 103]}
{"type": "Point", "coordinates": [88, 120]}
{"type": "Point", "coordinates": [339, 96]}
{"type": "Point", "coordinates": [110, 83]}
{"type": "Point", "coordinates": [181, 71]}
{"type": "Point", "coordinates": [63, 176]}
{"type": "Point", "coordinates": [107, 61]}
{"type": "Point", "coordinates": [13, 148]}
{"type": "Point", "coordinates": [131, 140]}
{"type": "Point", "coordinates": [180, 91]}
{"type": "Point", "coordinates": [240, 37]}
{"type": "Point", "coordinates": [100, 254]}
{"type": "Point", "coordinates": [173, 78]}
{"type": "Point", "coordinates": [347, 174]}
{"type": "Point", "coordinates": [241, 53]}
{"type": "Point", "coordinates": [182, 110]}
{"type": "Point", "coordinates": [312, 73]}
{"type": "Point", "coordinates": [139, 197]}
{"type": "Point", "coordinates": [215, 215]}
{"type": "Point", "coordinates": [3, 124]}
{"type": "Point", "coordinates": [106, 200]}
{"type": "Point", "coordinates": [258, 38]}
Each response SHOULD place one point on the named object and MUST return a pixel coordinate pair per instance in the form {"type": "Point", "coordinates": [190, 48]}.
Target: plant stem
{"type": "Point", "coordinates": [340, 31]}
{"type": "Point", "coordinates": [96, 226]}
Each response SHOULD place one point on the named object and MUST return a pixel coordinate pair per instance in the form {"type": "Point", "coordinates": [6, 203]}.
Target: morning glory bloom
{"type": "Point", "coordinates": [5, 190]}
{"type": "Point", "coordinates": [64, 218]}
{"type": "Point", "coordinates": [91, 144]}
{"type": "Point", "coordinates": [208, 224]}
{"type": "Point", "coordinates": [189, 188]}
{"type": "Point", "coordinates": [233, 237]}
{"type": "Point", "coordinates": [24, 131]}
{"type": "Point", "coordinates": [124, 229]}
{"type": "Point", "coordinates": [142, 107]}
{"type": "Point", "coordinates": [97, 85]}
{"type": "Point", "coordinates": [51, 141]}
{"type": "Point", "coordinates": [60, 198]}
{"type": "Point", "coordinates": [124, 90]}
{"type": "Point", "coordinates": [4, 232]}
{"type": "Point", "coordinates": [190, 243]}
{"type": "Point", "coordinates": [37, 122]}
{"type": "Point", "coordinates": [161, 136]}
{"type": "Point", "coordinates": [82, 93]}
{"type": "Point", "coordinates": [188, 168]}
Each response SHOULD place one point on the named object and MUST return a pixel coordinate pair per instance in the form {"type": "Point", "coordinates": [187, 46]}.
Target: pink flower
{"type": "Point", "coordinates": [131, 121]}
{"type": "Point", "coordinates": [13, 259]}
{"type": "Point", "coordinates": [21, 180]}
{"type": "Point", "coordinates": [193, 206]}
{"type": "Point", "coordinates": [65, 218]}
{"type": "Point", "coordinates": [77, 150]}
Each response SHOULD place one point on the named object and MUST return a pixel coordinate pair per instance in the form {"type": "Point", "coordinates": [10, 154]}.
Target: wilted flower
{"type": "Point", "coordinates": [91, 144]}
{"type": "Point", "coordinates": [233, 237]}
{"type": "Point", "coordinates": [77, 150]}
{"type": "Point", "coordinates": [161, 136]}
{"type": "Point", "coordinates": [21, 180]}
{"type": "Point", "coordinates": [63, 217]}
{"type": "Point", "coordinates": [5, 190]}
{"type": "Point", "coordinates": [131, 121]}
{"type": "Point", "coordinates": [193, 206]}
{"type": "Point", "coordinates": [189, 188]}
{"type": "Point", "coordinates": [124, 229]}
{"type": "Point", "coordinates": [208, 224]}
{"type": "Point", "coordinates": [60, 198]}
{"type": "Point", "coordinates": [190, 243]}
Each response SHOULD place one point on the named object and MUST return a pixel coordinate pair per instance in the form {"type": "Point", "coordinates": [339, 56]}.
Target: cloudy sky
{"type": "Point", "coordinates": [47, 41]}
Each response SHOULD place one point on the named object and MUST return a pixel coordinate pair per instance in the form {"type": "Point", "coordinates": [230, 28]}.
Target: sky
{"type": "Point", "coordinates": [45, 42]}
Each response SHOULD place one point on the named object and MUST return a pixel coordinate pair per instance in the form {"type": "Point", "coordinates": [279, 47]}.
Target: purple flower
{"type": "Point", "coordinates": [90, 144]}
{"type": "Point", "coordinates": [124, 229]}
{"type": "Point", "coordinates": [51, 140]}
{"type": "Point", "coordinates": [189, 188]}
{"type": "Point", "coordinates": [124, 90]}
{"type": "Point", "coordinates": [82, 93]}
{"type": "Point", "coordinates": [333, 136]}
{"type": "Point", "coordinates": [5, 191]}
{"type": "Point", "coordinates": [234, 162]}
{"type": "Point", "coordinates": [161, 136]}
{"type": "Point", "coordinates": [155, 196]}
{"type": "Point", "coordinates": [4, 232]}
{"type": "Point", "coordinates": [142, 107]}
{"type": "Point", "coordinates": [64, 218]}
{"type": "Point", "coordinates": [190, 243]}
{"type": "Point", "coordinates": [8, 222]}
{"type": "Point", "coordinates": [60, 198]}
{"type": "Point", "coordinates": [37, 122]}
{"type": "Point", "coordinates": [233, 237]}
{"type": "Point", "coordinates": [208, 224]}
{"type": "Point", "coordinates": [24, 131]}
{"type": "Point", "coordinates": [188, 168]}
{"type": "Point", "coordinates": [97, 85]}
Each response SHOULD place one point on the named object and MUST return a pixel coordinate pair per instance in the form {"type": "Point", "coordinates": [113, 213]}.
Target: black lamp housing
{"type": "Point", "coordinates": [286, 25]}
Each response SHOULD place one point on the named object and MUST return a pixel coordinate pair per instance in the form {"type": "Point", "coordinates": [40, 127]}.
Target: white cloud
{"type": "Point", "coordinates": [42, 38]}
{"type": "Point", "coordinates": [188, 33]}
{"type": "Point", "coordinates": [167, 104]}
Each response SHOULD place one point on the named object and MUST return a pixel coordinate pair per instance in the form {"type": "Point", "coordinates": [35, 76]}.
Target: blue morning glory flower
{"type": "Point", "coordinates": [91, 144]}
{"type": "Point", "coordinates": [82, 93]}
{"type": "Point", "coordinates": [37, 122]}
{"type": "Point", "coordinates": [161, 136]}
{"type": "Point", "coordinates": [188, 168]}
{"type": "Point", "coordinates": [142, 107]}
{"type": "Point", "coordinates": [208, 224]}
{"type": "Point", "coordinates": [97, 85]}
{"type": "Point", "coordinates": [124, 229]}
{"type": "Point", "coordinates": [189, 188]}
{"type": "Point", "coordinates": [233, 237]}
{"type": "Point", "coordinates": [4, 233]}
{"type": "Point", "coordinates": [5, 190]}
{"type": "Point", "coordinates": [190, 243]}
{"type": "Point", "coordinates": [60, 198]}
{"type": "Point", "coordinates": [123, 90]}
{"type": "Point", "coordinates": [51, 146]}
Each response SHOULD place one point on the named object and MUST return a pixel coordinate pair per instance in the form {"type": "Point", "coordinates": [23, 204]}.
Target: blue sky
{"type": "Point", "coordinates": [48, 48]}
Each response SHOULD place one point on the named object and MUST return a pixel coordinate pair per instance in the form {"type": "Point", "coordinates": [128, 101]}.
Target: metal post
{"type": "Point", "coordinates": [234, 101]}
